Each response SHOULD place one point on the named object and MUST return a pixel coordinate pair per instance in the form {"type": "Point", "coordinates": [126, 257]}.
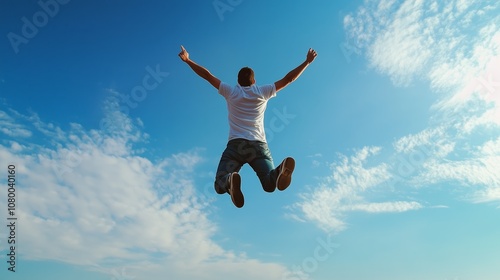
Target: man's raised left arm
{"type": "Point", "coordinates": [296, 72]}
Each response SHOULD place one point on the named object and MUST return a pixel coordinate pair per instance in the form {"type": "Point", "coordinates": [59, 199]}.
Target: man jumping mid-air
{"type": "Point", "coordinates": [246, 104]}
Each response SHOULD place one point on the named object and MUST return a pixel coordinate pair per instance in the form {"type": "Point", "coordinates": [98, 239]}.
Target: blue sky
{"type": "Point", "coordinates": [395, 128]}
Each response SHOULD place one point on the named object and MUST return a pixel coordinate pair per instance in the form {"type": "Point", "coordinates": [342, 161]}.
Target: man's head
{"type": "Point", "coordinates": [246, 77]}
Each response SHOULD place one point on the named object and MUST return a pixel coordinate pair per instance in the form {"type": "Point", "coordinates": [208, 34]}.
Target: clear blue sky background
{"type": "Point", "coordinates": [395, 129]}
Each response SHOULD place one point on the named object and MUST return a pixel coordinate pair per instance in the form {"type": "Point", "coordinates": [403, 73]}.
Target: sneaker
{"type": "Point", "coordinates": [285, 170]}
{"type": "Point", "coordinates": [235, 189]}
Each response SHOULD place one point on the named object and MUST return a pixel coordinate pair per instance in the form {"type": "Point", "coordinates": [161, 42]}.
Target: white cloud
{"type": "Point", "coordinates": [91, 199]}
{"type": "Point", "coordinates": [477, 104]}
{"type": "Point", "coordinates": [384, 207]}
{"type": "Point", "coordinates": [424, 138]}
{"type": "Point", "coordinates": [490, 148]}
{"type": "Point", "coordinates": [321, 208]}
{"type": "Point", "coordinates": [440, 206]}
{"type": "Point", "coordinates": [442, 42]}
{"type": "Point", "coordinates": [12, 129]}
{"type": "Point", "coordinates": [350, 173]}
{"type": "Point", "coordinates": [344, 191]}
{"type": "Point", "coordinates": [396, 50]}
{"type": "Point", "coordinates": [479, 170]}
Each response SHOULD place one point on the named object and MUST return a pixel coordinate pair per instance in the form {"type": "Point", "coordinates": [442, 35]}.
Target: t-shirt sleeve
{"type": "Point", "coordinates": [225, 89]}
{"type": "Point", "coordinates": [268, 91]}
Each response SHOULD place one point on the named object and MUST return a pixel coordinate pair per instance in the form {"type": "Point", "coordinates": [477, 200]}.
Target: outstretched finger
{"type": "Point", "coordinates": [182, 48]}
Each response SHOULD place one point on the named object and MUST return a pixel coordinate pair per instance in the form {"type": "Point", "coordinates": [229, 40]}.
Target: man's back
{"type": "Point", "coordinates": [246, 107]}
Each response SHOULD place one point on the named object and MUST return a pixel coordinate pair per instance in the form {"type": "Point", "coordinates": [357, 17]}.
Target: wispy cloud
{"type": "Point", "coordinates": [11, 128]}
{"type": "Point", "coordinates": [479, 170]}
{"type": "Point", "coordinates": [411, 142]}
{"type": "Point", "coordinates": [441, 41]}
{"type": "Point", "coordinates": [90, 198]}
{"type": "Point", "coordinates": [345, 191]}
{"type": "Point", "coordinates": [384, 207]}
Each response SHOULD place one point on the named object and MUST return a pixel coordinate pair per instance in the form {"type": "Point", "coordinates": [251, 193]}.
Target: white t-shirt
{"type": "Point", "coordinates": [246, 107]}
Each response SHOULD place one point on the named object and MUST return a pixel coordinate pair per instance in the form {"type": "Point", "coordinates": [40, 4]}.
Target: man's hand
{"type": "Point", "coordinates": [311, 55]}
{"type": "Point", "coordinates": [184, 55]}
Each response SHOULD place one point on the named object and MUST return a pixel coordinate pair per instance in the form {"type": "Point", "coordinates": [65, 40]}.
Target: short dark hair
{"type": "Point", "coordinates": [246, 77]}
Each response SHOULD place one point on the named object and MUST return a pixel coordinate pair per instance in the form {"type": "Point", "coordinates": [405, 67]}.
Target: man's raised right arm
{"type": "Point", "coordinates": [198, 69]}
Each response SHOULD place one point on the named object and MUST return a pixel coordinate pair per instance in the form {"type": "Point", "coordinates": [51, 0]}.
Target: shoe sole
{"type": "Point", "coordinates": [235, 190]}
{"type": "Point", "coordinates": [285, 176]}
